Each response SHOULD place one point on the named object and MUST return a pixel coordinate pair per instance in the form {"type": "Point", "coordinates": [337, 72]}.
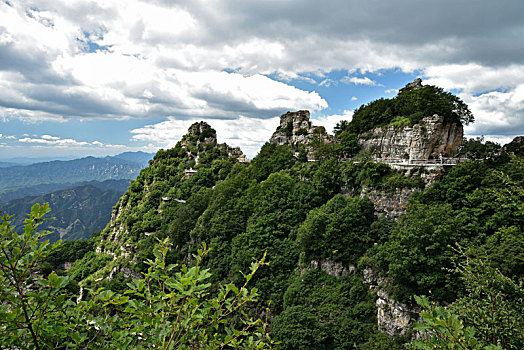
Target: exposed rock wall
{"type": "Point", "coordinates": [392, 205]}
{"type": "Point", "coordinates": [394, 318]}
{"type": "Point", "coordinates": [336, 269]}
{"type": "Point", "coordinates": [420, 142]}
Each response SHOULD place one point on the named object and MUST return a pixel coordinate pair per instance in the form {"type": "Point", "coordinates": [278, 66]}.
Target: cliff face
{"type": "Point", "coordinates": [393, 318]}
{"type": "Point", "coordinates": [296, 128]}
{"type": "Point", "coordinates": [419, 142]}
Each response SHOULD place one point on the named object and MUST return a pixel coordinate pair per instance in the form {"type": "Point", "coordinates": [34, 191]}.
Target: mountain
{"type": "Point", "coordinates": [36, 190]}
{"type": "Point", "coordinates": [124, 166]}
{"type": "Point", "coordinates": [136, 157]}
{"type": "Point", "coordinates": [349, 240]}
{"type": "Point", "coordinates": [77, 212]}
{"type": "Point", "coordinates": [33, 160]}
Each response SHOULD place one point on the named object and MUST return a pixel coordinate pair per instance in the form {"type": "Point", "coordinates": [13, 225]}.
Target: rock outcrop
{"type": "Point", "coordinates": [393, 318]}
{"type": "Point", "coordinates": [336, 269]}
{"type": "Point", "coordinates": [419, 142]}
{"type": "Point", "coordinates": [199, 133]}
{"type": "Point", "coordinates": [296, 128]}
{"type": "Point", "coordinates": [392, 205]}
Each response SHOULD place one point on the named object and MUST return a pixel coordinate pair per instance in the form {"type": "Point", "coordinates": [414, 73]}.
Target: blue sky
{"type": "Point", "coordinates": [96, 77]}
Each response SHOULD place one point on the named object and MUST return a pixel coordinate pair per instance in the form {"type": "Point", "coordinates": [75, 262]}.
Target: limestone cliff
{"type": "Point", "coordinates": [418, 142]}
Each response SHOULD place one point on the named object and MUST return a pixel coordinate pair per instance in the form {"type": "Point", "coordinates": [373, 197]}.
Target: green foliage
{"type": "Point", "coordinates": [270, 159]}
{"type": "Point", "coordinates": [418, 249]}
{"type": "Point", "coordinates": [294, 210]}
{"type": "Point", "coordinates": [488, 316]}
{"type": "Point", "coordinates": [349, 146]}
{"type": "Point", "coordinates": [170, 307]}
{"type": "Point", "coordinates": [506, 250]}
{"type": "Point", "coordinates": [33, 306]}
{"type": "Point", "coordinates": [326, 312]}
{"type": "Point", "coordinates": [400, 122]}
{"type": "Point", "coordinates": [301, 131]}
{"type": "Point", "coordinates": [445, 330]}
{"type": "Point", "coordinates": [476, 205]}
{"type": "Point", "coordinates": [338, 230]}
{"type": "Point", "coordinates": [408, 108]}
{"type": "Point", "coordinates": [289, 129]}
{"type": "Point", "coordinates": [478, 149]}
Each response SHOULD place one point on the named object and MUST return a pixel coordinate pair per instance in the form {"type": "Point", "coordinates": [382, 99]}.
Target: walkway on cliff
{"type": "Point", "coordinates": [408, 164]}
{"type": "Point", "coordinates": [431, 163]}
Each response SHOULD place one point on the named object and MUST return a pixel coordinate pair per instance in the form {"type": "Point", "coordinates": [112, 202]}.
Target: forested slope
{"type": "Point", "coordinates": [78, 212]}
{"type": "Point", "coordinates": [319, 229]}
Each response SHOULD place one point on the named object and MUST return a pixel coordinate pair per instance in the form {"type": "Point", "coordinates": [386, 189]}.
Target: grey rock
{"type": "Point", "coordinates": [393, 317]}
{"type": "Point", "coordinates": [336, 269]}
{"type": "Point", "coordinates": [419, 142]}
{"type": "Point", "coordinates": [296, 128]}
{"type": "Point", "coordinates": [392, 205]}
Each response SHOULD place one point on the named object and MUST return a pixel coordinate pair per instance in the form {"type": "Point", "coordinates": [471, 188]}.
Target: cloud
{"type": "Point", "coordinates": [133, 61]}
{"type": "Point", "coordinates": [194, 58]}
{"type": "Point", "coordinates": [359, 81]}
{"type": "Point", "coordinates": [495, 95]}
{"type": "Point", "coordinates": [247, 133]}
{"type": "Point", "coordinates": [330, 121]}
{"type": "Point", "coordinates": [54, 141]}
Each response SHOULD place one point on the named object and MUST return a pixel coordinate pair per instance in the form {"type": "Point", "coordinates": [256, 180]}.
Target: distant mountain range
{"type": "Point", "coordinates": [80, 192]}
{"type": "Point", "coordinates": [77, 212]}
{"type": "Point", "coordinates": [59, 174]}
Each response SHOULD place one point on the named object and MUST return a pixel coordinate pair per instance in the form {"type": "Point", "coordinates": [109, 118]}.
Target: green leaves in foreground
{"type": "Point", "coordinates": [171, 307]}
{"type": "Point", "coordinates": [488, 316]}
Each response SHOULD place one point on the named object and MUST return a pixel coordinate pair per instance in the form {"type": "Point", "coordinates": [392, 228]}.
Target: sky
{"type": "Point", "coordinates": [100, 77]}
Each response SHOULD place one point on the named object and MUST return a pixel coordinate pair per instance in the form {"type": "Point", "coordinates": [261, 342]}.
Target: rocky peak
{"type": "Point", "coordinates": [415, 85]}
{"type": "Point", "coordinates": [296, 128]}
{"type": "Point", "coordinates": [199, 133]}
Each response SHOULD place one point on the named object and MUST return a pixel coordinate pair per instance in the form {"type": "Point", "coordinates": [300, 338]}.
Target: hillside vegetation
{"type": "Point", "coordinates": [412, 103]}
{"type": "Point", "coordinates": [319, 232]}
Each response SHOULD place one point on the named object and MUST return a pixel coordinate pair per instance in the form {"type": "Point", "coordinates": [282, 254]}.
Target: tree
{"type": "Point", "coordinates": [33, 309]}
{"type": "Point", "coordinates": [488, 316]}
{"type": "Point", "coordinates": [171, 307]}
{"type": "Point", "coordinates": [412, 102]}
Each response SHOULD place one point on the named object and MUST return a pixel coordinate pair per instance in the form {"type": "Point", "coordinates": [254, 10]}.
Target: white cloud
{"type": "Point", "coordinates": [354, 98]}
{"type": "Point", "coordinates": [49, 137]}
{"type": "Point", "coordinates": [194, 58]}
{"type": "Point", "coordinates": [54, 141]}
{"type": "Point", "coordinates": [330, 121]}
{"type": "Point", "coordinates": [247, 133]}
{"type": "Point", "coordinates": [359, 81]}
{"type": "Point", "coordinates": [495, 95]}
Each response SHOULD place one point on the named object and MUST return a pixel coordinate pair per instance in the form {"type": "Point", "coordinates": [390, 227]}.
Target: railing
{"type": "Point", "coordinates": [422, 162]}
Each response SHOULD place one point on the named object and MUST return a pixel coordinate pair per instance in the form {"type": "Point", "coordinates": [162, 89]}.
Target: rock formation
{"type": "Point", "coordinates": [296, 128]}
{"type": "Point", "coordinates": [392, 205]}
{"type": "Point", "coordinates": [393, 318]}
{"type": "Point", "coordinates": [419, 142]}
{"type": "Point", "coordinates": [199, 133]}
